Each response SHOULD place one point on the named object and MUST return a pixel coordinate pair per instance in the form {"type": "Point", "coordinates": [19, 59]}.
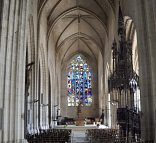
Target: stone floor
{"type": "Point", "coordinates": [79, 137]}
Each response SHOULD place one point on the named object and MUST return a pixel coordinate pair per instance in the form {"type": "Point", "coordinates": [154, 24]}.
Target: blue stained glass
{"type": "Point", "coordinates": [79, 83]}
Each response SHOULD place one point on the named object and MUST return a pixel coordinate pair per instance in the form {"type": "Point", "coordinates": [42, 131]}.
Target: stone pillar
{"type": "Point", "coordinates": [12, 55]}
{"type": "Point", "coordinates": [47, 84]}
{"type": "Point", "coordinates": [8, 40]}
{"type": "Point", "coordinates": [20, 72]}
{"type": "Point", "coordinates": [145, 45]}
{"type": "Point", "coordinates": [13, 73]}
{"type": "Point", "coordinates": [3, 50]}
{"type": "Point", "coordinates": [151, 39]}
{"type": "Point", "coordinates": [4, 22]}
{"type": "Point", "coordinates": [153, 59]}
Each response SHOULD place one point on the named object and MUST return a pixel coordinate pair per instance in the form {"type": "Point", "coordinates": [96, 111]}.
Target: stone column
{"type": "Point", "coordinates": [154, 64]}
{"type": "Point", "coordinates": [151, 41]}
{"type": "Point", "coordinates": [13, 73]}
{"type": "Point", "coordinates": [7, 70]}
{"type": "Point", "coordinates": [20, 72]}
{"type": "Point", "coordinates": [12, 54]}
{"type": "Point", "coordinates": [146, 67]}
{"type": "Point", "coordinates": [3, 51]}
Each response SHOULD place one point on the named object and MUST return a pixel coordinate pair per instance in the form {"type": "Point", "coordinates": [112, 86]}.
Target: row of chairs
{"type": "Point", "coordinates": [50, 136]}
{"type": "Point", "coordinates": [109, 136]}
{"type": "Point", "coordinates": [102, 135]}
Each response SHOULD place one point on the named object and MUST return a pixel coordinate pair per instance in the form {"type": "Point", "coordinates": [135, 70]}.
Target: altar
{"type": "Point", "coordinates": [81, 128]}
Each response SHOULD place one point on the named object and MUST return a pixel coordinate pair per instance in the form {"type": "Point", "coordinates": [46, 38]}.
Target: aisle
{"type": "Point", "coordinates": [78, 137]}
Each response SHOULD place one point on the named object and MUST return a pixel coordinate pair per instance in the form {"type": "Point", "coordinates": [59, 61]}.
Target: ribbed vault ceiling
{"type": "Point", "coordinates": [77, 25]}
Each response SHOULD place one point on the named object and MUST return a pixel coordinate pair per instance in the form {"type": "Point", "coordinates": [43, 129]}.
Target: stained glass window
{"type": "Point", "coordinates": [79, 83]}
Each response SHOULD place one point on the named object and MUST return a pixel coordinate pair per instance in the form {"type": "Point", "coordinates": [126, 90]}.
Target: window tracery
{"type": "Point", "coordinates": [79, 83]}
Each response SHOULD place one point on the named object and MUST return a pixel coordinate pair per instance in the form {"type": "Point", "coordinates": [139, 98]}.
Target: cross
{"type": "Point", "coordinates": [78, 16]}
